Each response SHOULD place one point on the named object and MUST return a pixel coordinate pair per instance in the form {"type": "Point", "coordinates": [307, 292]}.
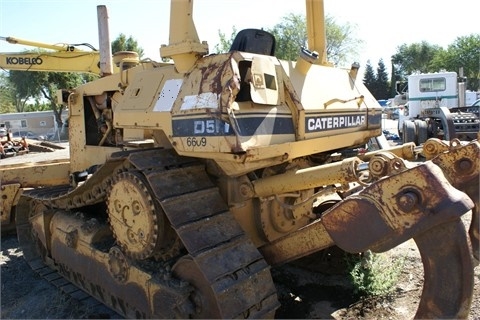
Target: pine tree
{"type": "Point", "coordinates": [369, 78]}
{"type": "Point", "coordinates": [381, 82]}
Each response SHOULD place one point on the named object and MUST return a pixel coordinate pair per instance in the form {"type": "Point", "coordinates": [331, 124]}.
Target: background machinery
{"type": "Point", "coordinates": [46, 58]}
{"type": "Point", "coordinates": [436, 105]}
{"type": "Point", "coordinates": [67, 58]}
{"type": "Point", "coordinates": [64, 57]}
{"type": "Point", "coordinates": [188, 180]}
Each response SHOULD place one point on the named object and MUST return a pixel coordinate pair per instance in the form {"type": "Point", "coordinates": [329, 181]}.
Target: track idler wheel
{"type": "Point", "coordinates": [418, 203]}
{"type": "Point", "coordinates": [204, 303]}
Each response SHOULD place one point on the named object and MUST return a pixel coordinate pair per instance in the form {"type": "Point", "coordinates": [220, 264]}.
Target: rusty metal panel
{"type": "Point", "coordinates": [9, 194]}
{"type": "Point", "coordinates": [398, 207]}
{"type": "Point", "coordinates": [36, 174]}
{"type": "Point", "coordinates": [302, 242]}
{"type": "Point", "coordinates": [448, 272]}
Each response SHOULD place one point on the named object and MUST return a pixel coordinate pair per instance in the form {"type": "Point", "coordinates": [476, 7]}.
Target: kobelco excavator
{"type": "Point", "coordinates": [188, 180]}
{"type": "Point", "coordinates": [63, 58]}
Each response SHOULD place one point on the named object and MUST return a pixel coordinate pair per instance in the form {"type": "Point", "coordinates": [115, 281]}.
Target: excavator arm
{"type": "Point", "coordinates": [51, 61]}
{"type": "Point", "coordinates": [63, 58]}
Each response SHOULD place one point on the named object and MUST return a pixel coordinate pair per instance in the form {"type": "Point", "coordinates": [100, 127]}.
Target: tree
{"type": "Point", "coordinates": [394, 78]}
{"type": "Point", "coordinates": [225, 44]}
{"type": "Point", "coordinates": [416, 57]}
{"type": "Point", "coordinates": [464, 53]}
{"type": "Point", "coordinates": [33, 84]}
{"type": "Point", "coordinates": [381, 82]}
{"type": "Point", "coordinates": [7, 94]}
{"type": "Point", "coordinates": [369, 78]}
{"type": "Point", "coordinates": [377, 83]}
{"type": "Point", "coordinates": [291, 34]}
{"type": "Point", "coordinates": [342, 46]}
{"type": "Point", "coordinates": [122, 43]}
{"type": "Point", "coordinates": [26, 85]}
{"type": "Point", "coordinates": [56, 81]}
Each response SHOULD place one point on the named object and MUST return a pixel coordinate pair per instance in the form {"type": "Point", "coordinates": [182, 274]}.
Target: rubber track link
{"type": "Point", "coordinates": [235, 270]}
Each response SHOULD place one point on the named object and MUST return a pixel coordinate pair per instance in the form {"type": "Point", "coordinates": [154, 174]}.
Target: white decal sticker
{"type": "Point", "coordinates": [208, 100]}
{"type": "Point", "coordinates": [168, 95]}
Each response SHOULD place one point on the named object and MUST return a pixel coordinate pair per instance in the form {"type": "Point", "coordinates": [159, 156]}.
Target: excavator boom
{"type": "Point", "coordinates": [62, 61]}
{"type": "Point", "coordinates": [56, 47]}
{"type": "Point", "coordinates": [63, 57]}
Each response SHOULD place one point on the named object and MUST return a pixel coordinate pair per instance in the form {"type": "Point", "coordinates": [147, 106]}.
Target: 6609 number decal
{"type": "Point", "coordinates": [196, 142]}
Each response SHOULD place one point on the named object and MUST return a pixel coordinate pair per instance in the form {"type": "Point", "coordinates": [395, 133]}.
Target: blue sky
{"type": "Point", "coordinates": [383, 25]}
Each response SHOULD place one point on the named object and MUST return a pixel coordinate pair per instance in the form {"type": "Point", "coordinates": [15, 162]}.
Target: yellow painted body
{"type": "Point", "coordinates": [196, 113]}
{"type": "Point", "coordinates": [14, 178]}
{"type": "Point", "coordinates": [51, 61]}
{"type": "Point", "coordinates": [56, 58]}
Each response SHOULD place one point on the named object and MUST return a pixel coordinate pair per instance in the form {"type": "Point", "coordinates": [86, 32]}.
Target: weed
{"type": "Point", "coordinates": [374, 274]}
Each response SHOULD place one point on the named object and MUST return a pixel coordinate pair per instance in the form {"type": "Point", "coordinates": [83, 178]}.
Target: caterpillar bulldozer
{"type": "Point", "coordinates": [187, 181]}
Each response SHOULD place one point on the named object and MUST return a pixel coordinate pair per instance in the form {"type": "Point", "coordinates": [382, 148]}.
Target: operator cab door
{"type": "Point", "coordinates": [263, 81]}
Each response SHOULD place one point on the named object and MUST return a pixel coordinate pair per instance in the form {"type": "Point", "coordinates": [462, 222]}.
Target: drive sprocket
{"type": "Point", "coordinates": [136, 222]}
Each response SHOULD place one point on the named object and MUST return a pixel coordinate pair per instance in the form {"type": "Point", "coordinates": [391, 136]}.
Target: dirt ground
{"type": "Point", "coordinates": [304, 294]}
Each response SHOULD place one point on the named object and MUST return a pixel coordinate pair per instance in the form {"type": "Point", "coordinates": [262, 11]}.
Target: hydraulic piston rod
{"type": "Point", "coordinates": [338, 172]}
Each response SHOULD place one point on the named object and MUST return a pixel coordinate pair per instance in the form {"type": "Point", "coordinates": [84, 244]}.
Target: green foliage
{"type": "Point", "coordinates": [26, 85]}
{"type": "Point", "coordinates": [122, 43]}
{"type": "Point", "coordinates": [291, 34]}
{"type": "Point", "coordinates": [414, 58]}
{"type": "Point", "coordinates": [7, 94]}
{"type": "Point", "coordinates": [37, 106]}
{"type": "Point", "coordinates": [225, 44]}
{"type": "Point", "coordinates": [342, 46]}
{"type": "Point", "coordinates": [464, 53]}
{"type": "Point", "coordinates": [382, 84]}
{"type": "Point", "coordinates": [35, 85]}
{"type": "Point", "coordinates": [377, 83]}
{"type": "Point", "coordinates": [374, 274]}
{"type": "Point", "coordinates": [369, 77]}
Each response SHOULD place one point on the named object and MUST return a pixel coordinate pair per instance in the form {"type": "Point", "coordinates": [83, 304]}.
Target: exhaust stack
{"type": "Point", "coordinates": [106, 67]}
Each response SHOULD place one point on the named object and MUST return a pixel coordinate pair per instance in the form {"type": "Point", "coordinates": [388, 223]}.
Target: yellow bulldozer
{"type": "Point", "coordinates": [188, 180]}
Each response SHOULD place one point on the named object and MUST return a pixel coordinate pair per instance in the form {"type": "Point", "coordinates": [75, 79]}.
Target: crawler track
{"type": "Point", "coordinates": [223, 268]}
